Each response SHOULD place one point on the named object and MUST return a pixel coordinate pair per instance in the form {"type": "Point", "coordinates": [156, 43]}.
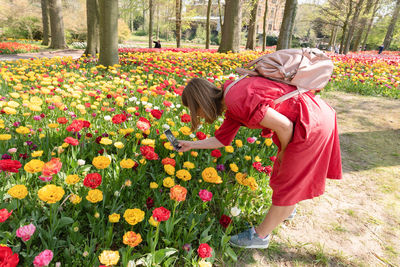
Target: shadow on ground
{"type": "Point", "coordinates": [368, 150]}
{"type": "Point", "coordinates": [279, 255]}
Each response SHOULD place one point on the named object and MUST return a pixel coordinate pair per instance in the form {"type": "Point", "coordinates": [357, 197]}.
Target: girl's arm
{"type": "Point", "coordinates": [281, 125]}
{"type": "Point", "coordinates": [209, 143]}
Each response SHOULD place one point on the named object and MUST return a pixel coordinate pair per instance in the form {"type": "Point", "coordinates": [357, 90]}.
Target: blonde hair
{"type": "Point", "coordinates": [201, 94]}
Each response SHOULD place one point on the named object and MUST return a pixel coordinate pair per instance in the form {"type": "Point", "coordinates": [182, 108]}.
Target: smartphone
{"type": "Point", "coordinates": [172, 139]}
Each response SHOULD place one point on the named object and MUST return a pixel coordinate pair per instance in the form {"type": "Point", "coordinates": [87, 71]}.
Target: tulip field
{"type": "Point", "coordinates": [87, 177]}
{"type": "Point", "coordinates": [14, 47]}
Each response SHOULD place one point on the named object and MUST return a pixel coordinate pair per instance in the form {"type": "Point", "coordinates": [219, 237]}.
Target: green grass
{"type": "Point", "coordinates": [350, 212]}
{"type": "Point", "coordinates": [338, 228]}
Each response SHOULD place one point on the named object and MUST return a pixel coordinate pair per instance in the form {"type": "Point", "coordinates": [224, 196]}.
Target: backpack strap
{"type": "Point", "coordinates": [233, 83]}
{"type": "Point", "coordinates": [287, 96]}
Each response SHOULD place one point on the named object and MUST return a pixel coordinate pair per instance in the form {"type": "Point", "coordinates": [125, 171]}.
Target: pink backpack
{"type": "Point", "coordinates": [307, 69]}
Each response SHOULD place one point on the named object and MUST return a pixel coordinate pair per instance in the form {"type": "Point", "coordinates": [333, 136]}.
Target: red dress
{"type": "Point", "coordinates": [314, 151]}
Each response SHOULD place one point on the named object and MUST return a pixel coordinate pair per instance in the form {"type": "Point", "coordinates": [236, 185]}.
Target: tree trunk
{"type": "Point", "coordinates": [144, 14]}
{"type": "Point", "coordinates": [286, 27]}
{"type": "Point", "coordinates": [231, 29]}
{"type": "Point", "coordinates": [45, 21]}
{"type": "Point", "coordinates": [220, 13]}
{"type": "Point", "coordinates": [389, 32]}
{"type": "Point", "coordinates": [346, 22]}
{"type": "Point", "coordinates": [108, 32]}
{"type": "Point", "coordinates": [371, 20]}
{"type": "Point", "coordinates": [353, 25]}
{"type": "Point", "coordinates": [358, 35]}
{"type": "Point", "coordinates": [208, 24]}
{"type": "Point", "coordinates": [361, 25]}
{"type": "Point", "coordinates": [252, 32]}
{"type": "Point", "coordinates": [92, 18]}
{"type": "Point", "coordinates": [56, 25]}
{"type": "Point", "coordinates": [332, 39]}
{"type": "Point", "coordinates": [178, 22]}
{"type": "Point", "coordinates": [151, 23]}
{"type": "Point", "coordinates": [292, 25]}
{"type": "Point", "coordinates": [264, 42]}
{"type": "Point", "coordinates": [158, 23]}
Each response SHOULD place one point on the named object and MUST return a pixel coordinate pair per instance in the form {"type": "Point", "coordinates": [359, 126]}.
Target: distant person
{"type": "Point", "coordinates": [381, 47]}
{"type": "Point", "coordinates": [157, 44]}
{"type": "Point", "coordinates": [337, 49]}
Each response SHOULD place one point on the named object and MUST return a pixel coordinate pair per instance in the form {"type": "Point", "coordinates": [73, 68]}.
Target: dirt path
{"type": "Point", "coordinates": [357, 221]}
{"type": "Point", "coordinates": [74, 53]}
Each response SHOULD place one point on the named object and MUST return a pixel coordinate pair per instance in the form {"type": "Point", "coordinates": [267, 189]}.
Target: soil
{"type": "Point", "coordinates": [357, 221]}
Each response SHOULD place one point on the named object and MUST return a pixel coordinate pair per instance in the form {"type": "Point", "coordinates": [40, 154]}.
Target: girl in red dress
{"type": "Point", "coordinates": [305, 132]}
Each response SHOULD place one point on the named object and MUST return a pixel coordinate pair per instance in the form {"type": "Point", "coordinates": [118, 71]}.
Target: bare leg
{"type": "Point", "coordinates": [274, 217]}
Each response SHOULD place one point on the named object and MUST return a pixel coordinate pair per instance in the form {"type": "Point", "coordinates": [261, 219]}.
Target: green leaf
{"type": "Point", "coordinates": [225, 240]}
{"type": "Point", "coordinates": [65, 221]}
{"type": "Point", "coordinates": [170, 261]}
{"type": "Point", "coordinates": [163, 253]}
{"type": "Point", "coordinates": [231, 253]}
{"type": "Point", "coordinates": [205, 239]}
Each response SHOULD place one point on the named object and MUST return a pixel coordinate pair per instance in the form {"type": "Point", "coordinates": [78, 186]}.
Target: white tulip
{"type": "Point", "coordinates": [235, 211]}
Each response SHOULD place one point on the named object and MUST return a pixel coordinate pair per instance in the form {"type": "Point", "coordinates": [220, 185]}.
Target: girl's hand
{"type": "Point", "coordinates": [185, 145]}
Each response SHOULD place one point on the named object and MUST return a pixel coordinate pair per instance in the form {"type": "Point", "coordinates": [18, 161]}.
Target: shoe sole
{"type": "Point", "coordinates": [252, 246]}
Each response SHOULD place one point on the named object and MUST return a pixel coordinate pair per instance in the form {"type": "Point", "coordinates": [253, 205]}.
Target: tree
{"type": "Point", "coordinates": [108, 32]}
{"type": "Point", "coordinates": [291, 29]}
{"type": "Point", "coordinates": [56, 25]}
{"type": "Point", "coordinates": [362, 23]}
{"type": "Point", "coordinates": [220, 13]}
{"type": "Point", "coordinates": [345, 24]}
{"type": "Point", "coordinates": [390, 29]}
{"type": "Point", "coordinates": [251, 35]}
{"type": "Point", "coordinates": [178, 22]}
{"type": "Point", "coordinates": [332, 39]}
{"type": "Point", "coordinates": [264, 41]}
{"type": "Point", "coordinates": [352, 26]}
{"type": "Point", "coordinates": [92, 18]}
{"type": "Point", "coordinates": [287, 25]}
{"type": "Point", "coordinates": [151, 11]}
{"type": "Point", "coordinates": [230, 39]}
{"type": "Point", "coordinates": [371, 20]}
{"type": "Point", "coordinates": [45, 22]}
{"type": "Point", "coordinates": [208, 24]}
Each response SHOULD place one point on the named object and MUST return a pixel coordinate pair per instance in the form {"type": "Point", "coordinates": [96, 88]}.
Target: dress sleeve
{"type": "Point", "coordinates": [228, 130]}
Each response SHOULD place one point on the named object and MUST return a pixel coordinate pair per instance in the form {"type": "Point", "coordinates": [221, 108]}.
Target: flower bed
{"type": "Point", "coordinates": [367, 74]}
{"type": "Point", "coordinates": [14, 48]}
{"type": "Point", "coordinates": [88, 176]}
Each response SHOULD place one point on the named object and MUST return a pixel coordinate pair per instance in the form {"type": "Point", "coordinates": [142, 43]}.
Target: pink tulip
{"type": "Point", "coordinates": [43, 259]}
{"type": "Point", "coordinates": [251, 140]}
{"type": "Point", "coordinates": [12, 150]}
{"type": "Point", "coordinates": [205, 195]}
{"type": "Point", "coordinates": [45, 178]}
{"type": "Point", "coordinates": [25, 232]}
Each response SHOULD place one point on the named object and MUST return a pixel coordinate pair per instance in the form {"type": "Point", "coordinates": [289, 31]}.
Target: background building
{"type": "Point", "coordinates": [274, 16]}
